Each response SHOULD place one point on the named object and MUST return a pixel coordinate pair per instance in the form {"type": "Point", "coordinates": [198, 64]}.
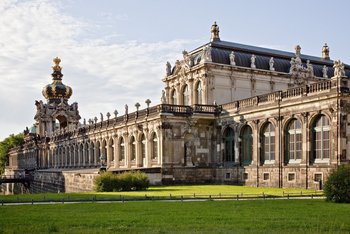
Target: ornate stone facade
{"type": "Point", "coordinates": [230, 113]}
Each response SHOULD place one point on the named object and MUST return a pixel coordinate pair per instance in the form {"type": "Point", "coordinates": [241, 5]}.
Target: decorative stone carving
{"type": "Point", "coordinates": [338, 69]}
{"type": "Point", "coordinates": [148, 102]}
{"type": "Point", "coordinates": [115, 113]}
{"type": "Point", "coordinates": [101, 117]}
{"type": "Point", "coordinates": [252, 61]}
{"type": "Point", "coordinates": [108, 115]}
{"type": "Point", "coordinates": [84, 122]}
{"type": "Point", "coordinates": [168, 69]}
{"type": "Point", "coordinates": [95, 119]}
{"type": "Point", "coordinates": [232, 59]}
{"type": "Point", "coordinates": [325, 71]}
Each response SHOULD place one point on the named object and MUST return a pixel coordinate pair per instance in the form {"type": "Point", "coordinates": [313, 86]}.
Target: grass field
{"type": "Point", "coordinates": [254, 216]}
{"type": "Point", "coordinates": [198, 191]}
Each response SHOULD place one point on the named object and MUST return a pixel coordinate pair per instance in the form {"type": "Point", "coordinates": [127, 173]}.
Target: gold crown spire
{"type": "Point", "coordinates": [57, 67]}
{"type": "Point", "coordinates": [325, 52]}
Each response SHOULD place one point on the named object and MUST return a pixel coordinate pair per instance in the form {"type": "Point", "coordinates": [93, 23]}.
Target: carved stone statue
{"type": "Point", "coordinates": [163, 98]}
{"type": "Point", "coordinates": [232, 58]}
{"type": "Point", "coordinates": [272, 62]}
{"type": "Point", "coordinates": [325, 71]}
{"type": "Point", "coordinates": [168, 69]}
{"type": "Point", "coordinates": [84, 122]}
{"type": "Point", "coordinates": [252, 61]}
{"type": "Point", "coordinates": [187, 59]}
{"type": "Point", "coordinates": [339, 70]}
{"type": "Point", "coordinates": [207, 54]}
{"type": "Point", "coordinates": [309, 68]}
{"type": "Point", "coordinates": [101, 117]}
{"type": "Point", "coordinates": [126, 109]}
{"type": "Point", "coordinates": [115, 113]}
{"type": "Point", "coordinates": [297, 50]}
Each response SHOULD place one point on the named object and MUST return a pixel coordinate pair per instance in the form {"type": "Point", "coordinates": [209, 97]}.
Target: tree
{"type": "Point", "coordinates": [337, 187]}
{"type": "Point", "coordinates": [5, 146]}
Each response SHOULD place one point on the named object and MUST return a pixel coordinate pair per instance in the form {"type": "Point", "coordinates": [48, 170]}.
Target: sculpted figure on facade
{"type": "Point", "coordinates": [252, 61]}
{"type": "Point", "coordinates": [325, 71]}
{"type": "Point", "coordinates": [207, 54]}
{"type": "Point", "coordinates": [338, 68]}
{"type": "Point", "coordinates": [187, 59]}
{"type": "Point", "coordinates": [271, 63]}
{"type": "Point", "coordinates": [310, 68]}
{"type": "Point", "coordinates": [163, 98]}
{"type": "Point", "coordinates": [168, 69]}
{"type": "Point", "coordinates": [126, 109]}
{"type": "Point", "coordinates": [101, 117]}
{"type": "Point", "coordinates": [232, 58]}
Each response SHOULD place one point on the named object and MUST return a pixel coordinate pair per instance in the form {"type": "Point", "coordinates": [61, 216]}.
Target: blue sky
{"type": "Point", "coordinates": [114, 52]}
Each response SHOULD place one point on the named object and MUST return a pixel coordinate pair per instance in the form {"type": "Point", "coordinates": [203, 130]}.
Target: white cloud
{"type": "Point", "coordinates": [103, 75]}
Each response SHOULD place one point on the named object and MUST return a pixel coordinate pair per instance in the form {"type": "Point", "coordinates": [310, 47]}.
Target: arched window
{"type": "Point", "coordinates": [86, 154]}
{"type": "Point", "coordinates": [268, 143]}
{"type": "Point", "coordinates": [154, 146]}
{"type": "Point", "coordinates": [97, 152]}
{"type": "Point", "coordinates": [320, 138]}
{"type": "Point", "coordinates": [199, 93]}
{"type": "Point", "coordinates": [81, 154]}
{"type": "Point", "coordinates": [91, 153]}
{"type": "Point", "coordinates": [121, 150]}
{"type": "Point", "coordinates": [185, 96]}
{"type": "Point", "coordinates": [246, 145]}
{"type": "Point", "coordinates": [143, 148]}
{"type": "Point", "coordinates": [110, 156]}
{"type": "Point", "coordinates": [173, 97]}
{"type": "Point", "coordinates": [293, 141]}
{"type": "Point", "coordinates": [229, 153]}
{"type": "Point", "coordinates": [132, 149]}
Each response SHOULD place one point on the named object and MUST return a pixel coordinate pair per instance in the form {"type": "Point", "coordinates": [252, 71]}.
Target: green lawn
{"type": "Point", "coordinates": [156, 192]}
{"type": "Point", "coordinates": [254, 216]}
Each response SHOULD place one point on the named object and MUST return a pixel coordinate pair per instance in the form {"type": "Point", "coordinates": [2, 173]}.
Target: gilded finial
{"type": "Point", "coordinates": [325, 52]}
{"type": "Point", "coordinates": [215, 32]}
{"type": "Point", "coordinates": [57, 67]}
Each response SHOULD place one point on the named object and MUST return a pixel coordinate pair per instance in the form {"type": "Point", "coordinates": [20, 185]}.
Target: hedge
{"type": "Point", "coordinates": [127, 181]}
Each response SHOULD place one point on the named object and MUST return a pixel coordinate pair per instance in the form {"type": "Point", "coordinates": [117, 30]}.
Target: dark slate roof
{"type": "Point", "coordinates": [221, 54]}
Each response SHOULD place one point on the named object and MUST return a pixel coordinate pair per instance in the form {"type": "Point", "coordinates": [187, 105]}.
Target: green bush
{"type": "Point", "coordinates": [127, 181]}
{"type": "Point", "coordinates": [337, 187]}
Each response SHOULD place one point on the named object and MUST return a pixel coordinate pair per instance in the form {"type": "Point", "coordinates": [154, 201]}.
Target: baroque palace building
{"type": "Point", "coordinates": [229, 113]}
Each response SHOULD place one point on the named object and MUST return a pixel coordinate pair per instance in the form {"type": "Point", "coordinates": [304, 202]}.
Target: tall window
{"type": "Point", "coordinates": [320, 138]}
{"type": "Point", "coordinates": [174, 97]}
{"type": "Point", "coordinates": [199, 93]}
{"type": "Point", "coordinates": [185, 96]}
{"type": "Point", "coordinates": [97, 152]}
{"type": "Point", "coordinates": [268, 143]}
{"type": "Point", "coordinates": [143, 147]}
{"type": "Point", "coordinates": [293, 141]}
{"type": "Point", "coordinates": [229, 145]}
{"type": "Point", "coordinates": [86, 153]}
{"type": "Point", "coordinates": [121, 149]}
{"type": "Point", "coordinates": [111, 150]}
{"type": "Point", "coordinates": [246, 145]}
{"type": "Point", "coordinates": [154, 146]}
{"type": "Point", "coordinates": [132, 149]}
